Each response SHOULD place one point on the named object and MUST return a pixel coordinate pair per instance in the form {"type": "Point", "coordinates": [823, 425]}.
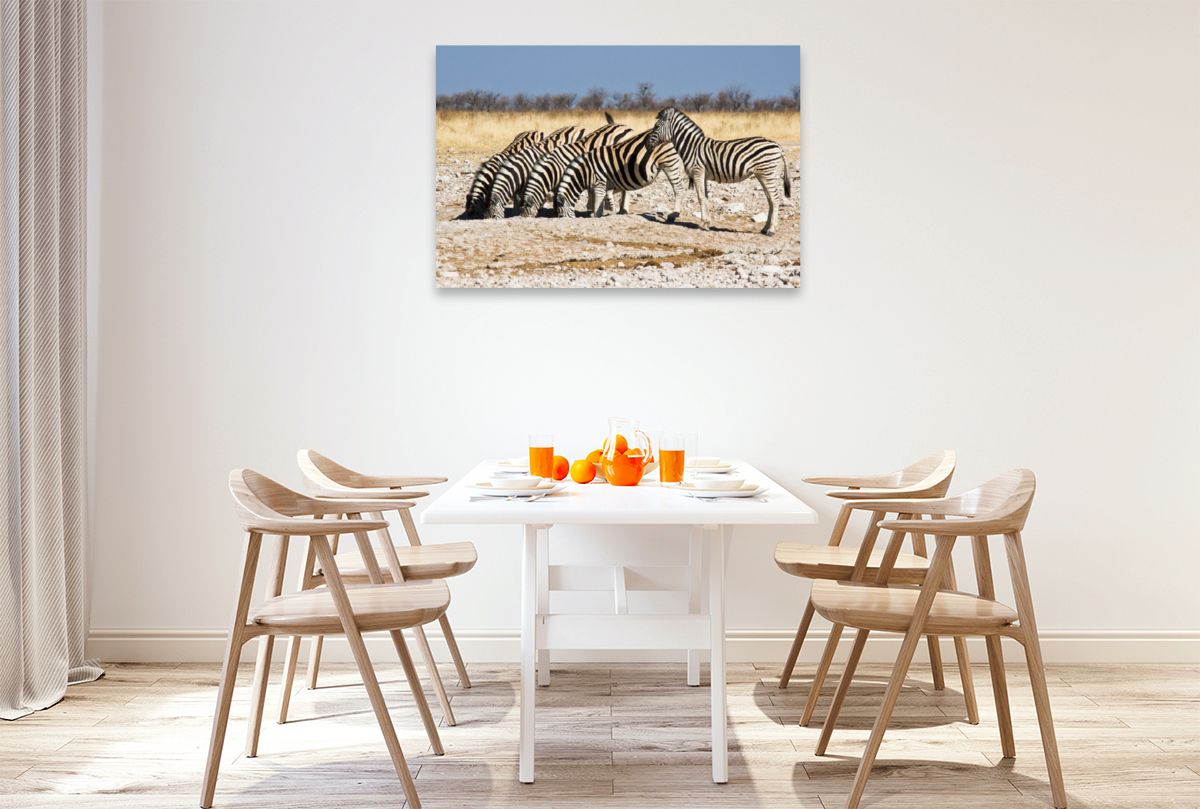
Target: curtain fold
{"type": "Point", "coordinates": [43, 481]}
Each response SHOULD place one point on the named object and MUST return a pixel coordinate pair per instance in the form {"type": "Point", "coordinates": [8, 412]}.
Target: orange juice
{"type": "Point", "coordinates": [670, 465]}
{"type": "Point", "coordinates": [541, 461]}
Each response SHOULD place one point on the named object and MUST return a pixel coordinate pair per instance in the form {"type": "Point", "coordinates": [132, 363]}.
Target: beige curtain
{"type": "Point", "coordinates": [43, 496]}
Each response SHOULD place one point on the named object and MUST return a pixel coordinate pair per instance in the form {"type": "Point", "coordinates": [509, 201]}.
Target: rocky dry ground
{"type": "Point", "coordinates": [640, 249]}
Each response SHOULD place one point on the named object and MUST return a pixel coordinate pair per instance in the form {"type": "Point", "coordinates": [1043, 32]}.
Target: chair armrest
{"type": "Point", "coordinates": [914, 505]}
{"type": "Point", "coordinates": [855, 481]}
{"type": "Point", "coordinates": [349, 505]}
{"type": "Point", "coordinates": [308, 528]}
{"type": "Point", "coordinates": [878, 494]}
{"type": "Point", "coordinates": [397, 481]}
{"type": "Point", "coordinates": [949, 528]}
{"type": "Point", "coordinates": [360, 494]}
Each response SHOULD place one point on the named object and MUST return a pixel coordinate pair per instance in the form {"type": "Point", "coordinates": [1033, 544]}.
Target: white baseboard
{"type": "Point", "coordinates": [742, 646]}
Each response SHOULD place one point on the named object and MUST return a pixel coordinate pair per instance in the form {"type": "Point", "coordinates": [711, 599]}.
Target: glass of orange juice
{"type": "Point", "coordinates": [670, 457]}
{"type": "Point", "coordinates": [541, 455]}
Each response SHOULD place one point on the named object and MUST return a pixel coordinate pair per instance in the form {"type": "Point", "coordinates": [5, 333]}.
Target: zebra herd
{"type": "Point", "coordinates": [559, 167]}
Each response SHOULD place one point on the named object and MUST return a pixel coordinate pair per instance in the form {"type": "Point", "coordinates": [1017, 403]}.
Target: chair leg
{"type": "Point", "coordinates": [434, 676]}
{"type": "Point", "coordinates": [258, 694]}
{"type": "Point", "coordinates": [790, 663]}
{"type": "Point", "coordinates": [895, 685]}
{"type": "Point", "coordinates": [414, 684]}
{"type": "Point", "coordinates": [464, 679]}
{"type": "Point", "coordinates": [262, 666]}
{"type": "Point", "coordinates": [912, 638]}
{"type": "Point", "coordinates": [367, 672]}
{"type": "Point", "coordinates": [314, 661]}
{"type": "Point", "coordinates": [839, 697]}
{"type": "Point", "coordinates": [968, 682]}
{"type": "Point", "coordinates": [1037, 669]}
{"type": "Point", "coordinates": [220, 722]}
{"type": "Point", "coordinates": [289, 676]}
{"type": "Point", "coordinates": [374, 693]}
{"type": "Point", "coordinates": [1008, 743]}
{"type": "Point", "coordinates": [964, 658]}
{"type": "Point", "coordinates": [935, 662]}
{"type": "Point", "coordinates": [835, 634]}
{"type": "Point", "coordinates": [233, 651]}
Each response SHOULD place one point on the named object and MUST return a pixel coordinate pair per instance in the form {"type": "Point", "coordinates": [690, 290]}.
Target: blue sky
{"type": "Point", "coordinates": [766, 70]}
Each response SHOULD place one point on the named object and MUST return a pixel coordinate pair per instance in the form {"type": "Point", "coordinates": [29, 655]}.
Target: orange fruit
{"type": "Point", "coordinates": [559, 467]}
{"type": "Point", "coordinates": [583, 471]}
{"type": "Point", "coordinates": [622, 444]}
{"type": "Point", "coordinates": [595, 455]}
{"type": "Point", "coordinates": [634, 451]}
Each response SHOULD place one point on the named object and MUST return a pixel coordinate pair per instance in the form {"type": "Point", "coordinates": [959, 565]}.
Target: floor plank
{"type": "Point", "coordinates": [610, 737]}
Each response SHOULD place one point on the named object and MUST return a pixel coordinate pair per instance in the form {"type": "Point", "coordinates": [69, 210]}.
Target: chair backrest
{"type": "Point", "coordinates": [324, 477]}
{"type": "Point", "coordinates": [928, 477]}
{"type": "Point", "coordinates": [1003, 501]}
{"type": "Point", "coordinates": [935, 468]}
{"type": "Point", "coordinates": [321, 472]}
{"type": "Point", "coordinates": [266, 507]}
{"type": "Point", "coordinates": [260, 500]}
{"type": "Point", "coordinates": [999, 506]}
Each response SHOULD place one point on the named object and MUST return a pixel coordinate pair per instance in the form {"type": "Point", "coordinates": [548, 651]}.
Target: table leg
{"type": "Point", "coordinates": [529, 598]}
{"type": "Point", "coordinates": [543, 598]}
{"type": "Point", "coordinates": [716, 608]}
{"type": "Point", "coordinates": [695, 565]}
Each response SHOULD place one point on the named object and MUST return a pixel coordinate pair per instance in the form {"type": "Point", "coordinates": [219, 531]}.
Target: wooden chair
{"type": "Point", "coordinates": [406, 563]}
{"type": "Point", "coordinates": [928, 477]}
{"type": "Point", "coordinates": [264, 508]}
{"type": "Point", "coordinates": [998, 507]}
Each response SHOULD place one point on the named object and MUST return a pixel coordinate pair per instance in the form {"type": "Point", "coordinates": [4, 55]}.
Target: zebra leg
{"type": "Point", "coordinates": [608, 201]}
{"type": "Point", "coordinates": [596, 199]}
{"type": "Point", "coordinates": [701, 184]}
{"type": "Point", "coordinates": [624, 210]}
{"type": "Point", "coordinates": [772, 191]}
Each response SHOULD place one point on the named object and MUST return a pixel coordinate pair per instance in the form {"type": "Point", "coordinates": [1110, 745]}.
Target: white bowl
{"type": "Point", "coordinates": [722, 483]}
{"type": "Point", "coordinates": [518, 482]}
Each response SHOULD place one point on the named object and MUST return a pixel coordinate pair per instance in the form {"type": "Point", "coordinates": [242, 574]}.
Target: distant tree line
{"type": "Point", "coordinates": [733, 98]}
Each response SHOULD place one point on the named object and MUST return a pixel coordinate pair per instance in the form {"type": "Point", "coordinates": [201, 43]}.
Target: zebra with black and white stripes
{"type": "Point", "coordinates": [479, 194]}
{"type": "Point", "coordinates": [511, 179]}
{"type": "Point", "coordinates": [548, 171]}
{"type": "Point", "coordinates": [622, 168]}
{"type": "Point", "coordinates": [724, 161]}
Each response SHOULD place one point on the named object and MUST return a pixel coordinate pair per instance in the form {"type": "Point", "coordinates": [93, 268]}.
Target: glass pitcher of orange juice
{"type": "Point", "coordinates": [628, 453]}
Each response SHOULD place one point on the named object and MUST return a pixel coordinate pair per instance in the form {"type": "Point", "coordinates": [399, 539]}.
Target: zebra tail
{"type": "Point", "coordinates": [787, 181]}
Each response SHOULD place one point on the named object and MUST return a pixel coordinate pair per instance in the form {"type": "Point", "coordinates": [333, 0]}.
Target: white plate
{"type": "Point", "coordinates": [498, 489]}
{"type": "Point", "coordinates": [709, 470]}
{"type": "Point", "coordinates": [708, 465]}
{"type": "Point", "coordinates": [747, 490]}
{"type": "Point", "coordinates": [509, 466]}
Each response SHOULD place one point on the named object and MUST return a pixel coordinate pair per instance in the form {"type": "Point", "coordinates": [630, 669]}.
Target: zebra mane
{"type": "Point", "coordinates": [680, 119]}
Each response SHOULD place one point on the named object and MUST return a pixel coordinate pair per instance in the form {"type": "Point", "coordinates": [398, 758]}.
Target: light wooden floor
{"type": "Point", "coordinates": [610, 736]}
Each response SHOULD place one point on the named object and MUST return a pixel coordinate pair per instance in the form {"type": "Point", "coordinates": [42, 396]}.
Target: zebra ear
{"type": "Point", "coordinates": [609, 118]}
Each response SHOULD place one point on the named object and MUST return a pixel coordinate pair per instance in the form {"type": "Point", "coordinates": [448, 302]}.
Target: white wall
{"type": "Point", "coordinates": [1001, 256]}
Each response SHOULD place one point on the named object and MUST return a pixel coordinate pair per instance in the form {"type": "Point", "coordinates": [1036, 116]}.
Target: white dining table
{"type": "Point", "coordinates": [597, 503]}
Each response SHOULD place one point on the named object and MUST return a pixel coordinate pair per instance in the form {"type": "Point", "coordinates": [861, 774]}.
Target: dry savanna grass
{"type": "Point", "coordinates": [492, 131]}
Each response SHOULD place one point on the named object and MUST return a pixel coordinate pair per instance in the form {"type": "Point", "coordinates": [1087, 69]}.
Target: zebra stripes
{"type": "Point", "coordinates": [623, 167]}
{"type": "Point", "coordinates": [511, 178]}
{"type": "Point", "coordinates": [543, 180]}
{"type": "Point", "coordinates": [724, 161]}
{"type": "Point", "coordinates": [561, 137]}
{"type": "Point", "coordinates": [530, 138]}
